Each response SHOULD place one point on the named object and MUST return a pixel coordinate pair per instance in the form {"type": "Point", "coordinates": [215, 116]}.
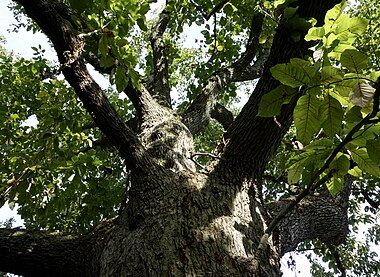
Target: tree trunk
{"type": "Point", "coordinates": [174, 221]}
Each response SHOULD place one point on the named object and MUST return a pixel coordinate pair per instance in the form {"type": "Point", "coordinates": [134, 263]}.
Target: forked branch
{"type": "Point", "coordinates": [198, 114]}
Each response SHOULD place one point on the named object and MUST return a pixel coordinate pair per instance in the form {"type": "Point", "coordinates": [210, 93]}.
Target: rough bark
{"type": "Point", "coordinates": [39, 253]}
{"type": "Point", "coordinates": [174, 221]}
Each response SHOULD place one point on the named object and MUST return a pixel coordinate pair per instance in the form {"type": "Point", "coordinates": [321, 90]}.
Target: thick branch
{"type": "Point", "coordinates": [222, 115]}
{"type": "Point", "coordinates": [198, 114]}
{"type": "Point", "coordinates": [69, 49]}
{"type": "Point", "coordinates": [313, 218]}
{"type": "Point", "coordinates": [39, 253]}
{"type": "Point", "coordinates": [160, 86]}
{"type": "Point", "coordinates": [254, 139]}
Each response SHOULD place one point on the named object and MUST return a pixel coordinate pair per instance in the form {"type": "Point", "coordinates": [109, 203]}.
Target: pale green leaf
{"type": "Point", "coordinates": [333, 15]}
{"type": "Point", "coordinates": [355, 25]}
{"type": "Point", "coordinates": [340, 165]}
{"type": "Point", "coordinates": [356, 172]}
{"type": "Point", "coordinates": [315, 33]}
{"type": "Point", "coordinates": [345, 87]}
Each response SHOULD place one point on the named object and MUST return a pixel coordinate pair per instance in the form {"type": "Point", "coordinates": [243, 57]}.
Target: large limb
{"type": "Point", "coordinates": [317, 216]}
{"type": "Point", "coordinates": [198, 115]}
{"type": "Point", "coordinates": [39, 253]}
{"type": "Point", "coordinates": [254, 139]}
{"type": "Point", "coordinates": [68, 45]}
{"type": "Point", "coordinates": [160, 88]}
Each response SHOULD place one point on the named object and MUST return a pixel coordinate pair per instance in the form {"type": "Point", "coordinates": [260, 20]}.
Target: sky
{"type": "Point", "coordinates": [21, 42]}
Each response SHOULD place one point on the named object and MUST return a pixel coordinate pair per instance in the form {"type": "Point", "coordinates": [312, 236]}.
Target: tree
{"type": "Point", "coordinates": [136, 186]}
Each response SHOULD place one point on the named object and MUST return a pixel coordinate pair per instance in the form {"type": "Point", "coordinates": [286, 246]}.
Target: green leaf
{"type": "Point", "coordinates": [373, 148]}
{"type": "Point", "coordinates": [331, 113]}
{"type": "Point", "coordinates": [103, 45]}
{"type": "Point", "coordinates": [330, 74]}
{"type": "Point", "coordinates": [315, 33]}
{"type": "Point", "coordinates": [290, 12]}
{"type": "Point", "coordinates": [335, 185]}
{"type": "Point", "coordinates": [354, 115]}
{"type": "Point", "coordinates": [141, 23]}
{"type": "Point", "coordinates": [360, 156]}
{"type": "Point", "coordinates": [121, 79]}
{"type": "Point", "coordinates": [292, 74]}
{"type": "Point", "coordinates": [345, 87]}
{"type": "Point", "coordinates": [354, 60]}
{"type": "Point", "coordinates": [340, 165]}
{"type": "Point", "coordinates": [271, 102]}
{"type": "Point", "coordinates": [14, 116]}
{"type": "Point", "coordinates": [306, 118]}
{"type": "Point", "coordinates": [294, 174]}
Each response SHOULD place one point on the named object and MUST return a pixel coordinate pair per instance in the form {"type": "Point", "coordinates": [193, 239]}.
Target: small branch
{"type": "Point", "coordinates": [95, 32]}
{"type": "Point", "coordinates": [374, 204]}
{"type": "Point", "coordinates": [160, 86]}
{"type": "Point", "coordinates": [215, 50]}
{"type": "Point", "coordinates": [338, 260]}
{"type": "Point", "coordinates": [205, 154]}
{"type": "Point", "coordinates": [216, 9]}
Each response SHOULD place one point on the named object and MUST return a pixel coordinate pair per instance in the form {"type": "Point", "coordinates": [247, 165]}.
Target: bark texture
{"type": "Point", "coordinates": [176, 221]}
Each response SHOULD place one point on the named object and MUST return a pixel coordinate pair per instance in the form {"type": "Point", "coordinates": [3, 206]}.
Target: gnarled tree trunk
{"type": "Point", "coordinates": [176, 221]}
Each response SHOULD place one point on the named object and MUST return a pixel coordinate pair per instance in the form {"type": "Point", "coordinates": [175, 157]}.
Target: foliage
{"type": "Point", "coordinates": [45, 151]}
{"type": "Point", "coordinates": [336, 82]}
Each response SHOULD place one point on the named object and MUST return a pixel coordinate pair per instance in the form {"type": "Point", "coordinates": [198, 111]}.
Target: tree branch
{"type": "Point", "coordinates": [69, 47]}
{"type": "Point", "coordinates": [39, 253]}
{"type": "Point", "coordinates": [215, 10]}
{"type": "Point", "coordinates": [222, 115]}
{"type": "Point", "coordinates": [198, 115]}
{"type": "Point", "coordinates": [254, 139]}
{"type": "Point", "coordinates": [338, 260]}
{"type": "Point", "coordinates": [160, 86]}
